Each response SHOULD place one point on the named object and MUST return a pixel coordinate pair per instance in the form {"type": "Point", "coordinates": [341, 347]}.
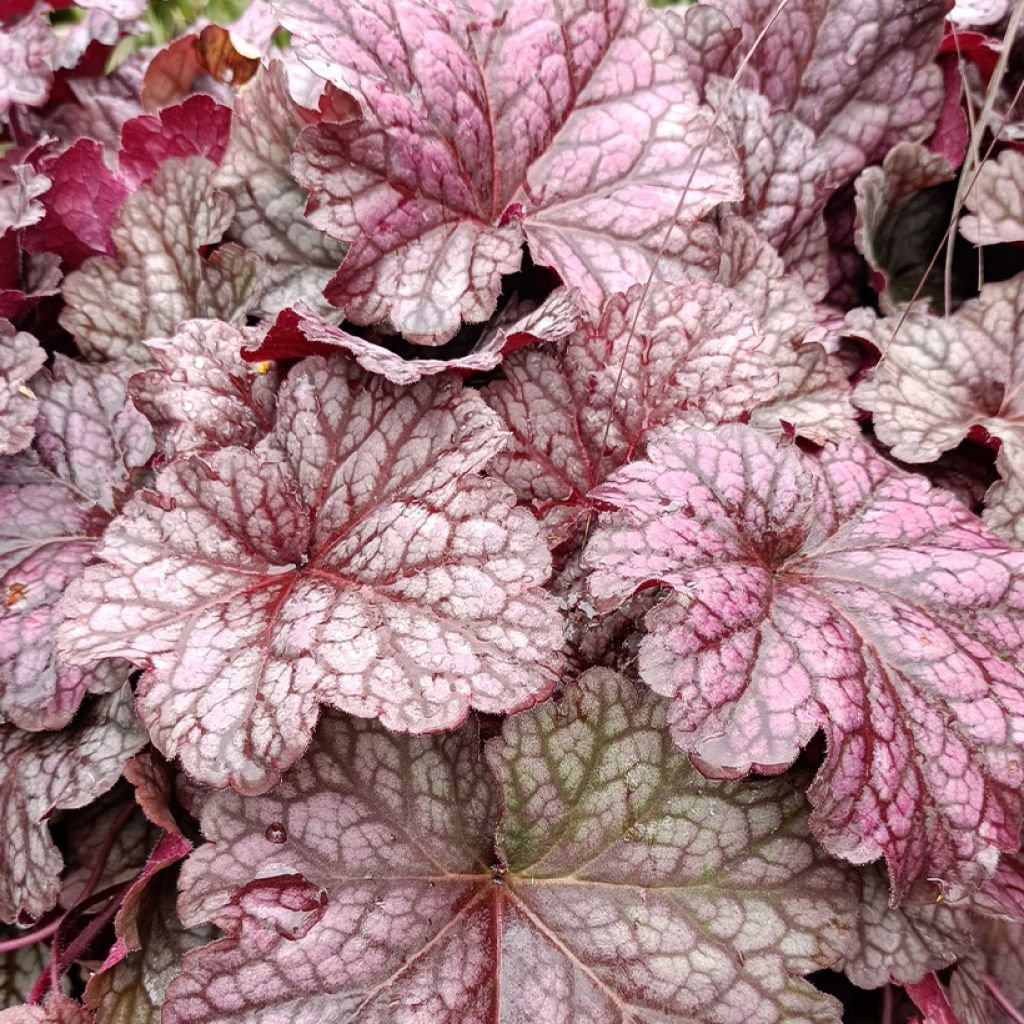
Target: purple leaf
{"type": "Point", "coordinates": [54, 504]}
{"type": "Point", "coordinates": [203, 395]}
{"type": "Point", "coordinates": [631, 888]}
{"type": "Point", "coordinates": [300, 332]}
{"type": "Point", "coordinates": [941, 378]}
{"type": "Point", "coordinates": [196, 127]}
{"type": "Point", "coordinates": [787, 178]}
{"type": "Point", "coordinates": [269, 205]}
{"type": "Point", "coordinates": [859, 75]}
{"type": "Point", "coordinates": [573, 126]}
{"type": "Point", "coordinates": [813, 397]}
{"type": "Point", "coordinates": [355, 558]}
{"type": "Point", "coordinates": [996, 201]}
{"type": "Point", "coordinates": [903, 944]}
{"type": "Point", "coordinates": [46, 771]}
{"type": "Point", "coordinates": [26, 52]}
{"type": "Point", "coordinates": [132, 990]}
{"type": "Point", "coordinates": [160, 278]}
{"type": "Point", "coordinates": [834, 593]}
{"type": "Point", "coordinates": [1003, 894]}
{"type": "Point", "coordinates": [58, 1009]}
{"type": "Point", "coordinates": [580, 411]}
{"type": "Point", "coordinates": [81, 206]}
{"type": "Point", "coordinates": [997, 958]}
{"type": "Point", "coordinates": [20, 189]}
{"type": "Point", "coordinates": [20, 359]}
{"type": "Point", "coordinates": [883, 194]}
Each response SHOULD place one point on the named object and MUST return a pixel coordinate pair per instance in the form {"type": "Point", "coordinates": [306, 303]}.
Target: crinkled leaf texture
{"type": "Point", "coordinates": [269, 217]}
{"type": "Point", "coordinates": [813, 398]}
{"type": "Point", "coordinates": [940, 378]}
{"type": "Point", "coordinates": [45, 771]}
{"type": "Point", "coordinates": [836, 593]}
{"type": "Point", "coordinates": [630, 889]}
{"type": "Point", "coordinates": [571, 124]}
{"type": "Point", "coordinates": [132, 990]}
{"type": "Point", "coordinates": [58, 1009]}
{"type": "Point", "coordinates": [26, 53]}
{"type": "Point", "coordinates": [161, 278]}
{"type": "Point", "coordinates": [580, 410]}
{"type": "Point", "coordinates": [902, 943]}
{"type": "Point", "coordinates": [203, 394]}
{"type": "Point", "coordinates": [787, 179]}
{"type": "Point", "coordinates": [300, 332]}
{"type": "Point", "coordinates": [20, 359]}
{"type": "Point", "coordinates": [895, 221]}
{"type": "Point", "coordinates": [86, 193]}
{"type": "Point", "coordinates": [858, 73]}
{"type": "Point", "coordinates": [55, 501]}
{"type": "Point", "coordinates": [999, 954]}
{"type": "Point", "coordinates": [996, 201]}
{"type": "Point", "coordinates": [356, 558]}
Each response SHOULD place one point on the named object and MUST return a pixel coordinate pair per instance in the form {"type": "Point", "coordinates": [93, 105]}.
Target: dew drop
{"type": "Point", "coordinates": [276, 833]}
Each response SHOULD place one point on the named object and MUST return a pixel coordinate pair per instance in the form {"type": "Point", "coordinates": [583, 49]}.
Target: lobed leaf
{"type": "Point", "coordinates": [902, 944]}
{"type": "Point", "coordinates": [813, 397]}
{"type": "Point", "coordinates": [996, 201]}
{"type": "Point", "coordinates": [203, 395]}
{"type": "Point", "coordinates": [464, 149]}
{"type": "Point", "coordinates": [355, 558]}
{"type": "Point", "coordinates": [300, 332]}
{"type": "Point", "coordinates": [269, 218]}
{"type": "Point", "coordinates": [577, 413]}
{"type": "Point", "coordinates": [859, 75]}
{"type": "Point", "coordinates": [54, 504]}
{"type": "Point", "coordinates": [834, 593]}
{"type": "Point", "coordinates": [630, 888]}
{"type": "Point", "coordinates": [20, 359]}
{"type": "Point", "coordinates": [942, 378]}
{"type": "Point", "coordinates": [160, 278]}
{"type": "Point", "coordinates": [45, 771]}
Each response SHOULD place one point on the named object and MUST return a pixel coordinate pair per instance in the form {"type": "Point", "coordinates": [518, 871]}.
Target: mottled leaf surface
{"type": "Point", "coordinates": [269, 205]}
{"type": "Point", "coordinates": [996, 201]}
{"type": "Point", "coordinates": [858, 74]}
{"type": "Point", "coordinates": [891, 221]}
{"type": "Point", "coordinates": [19, 969]}
{"type": "Point", "coordinates": [56, 1010]}
{"type": "Point", "coordinates": [21, 187]}
{"type": "Point", "coordinates": [299, 332]}
{"type": "Point", "coordinates": [629, 889]}
{"type": "Point", "coordinates": [573, 125]}
{"type": "Point", "coordinates": [55, 501]}
{"type": "Point", "coordinates": [355, 558]}
{"type": "Point", "coordinates": [813, 396]}
{"type": "Point", "coordinates": [160, 278]}
{"type": "Point", "coordinates": [832, 593]}
{"type": "Point", "coordinates": [939, 378]}
{"type": "Point", "coordinates": [203, 394]}
{"type": "Point", "coordinates": [902, 943]}
{"type": "Point", "coordinates": [20, 359]}
{"type": "Point", "coordinates": [45, 771]}
{"type": "Point", "coordinates": [787, 177]}
{"type": "Point", "coordinates": [581, 409]}
{"type": "Point", "coordinates": [132, 991]}
{"type": "Point", "coordinates": [81, 205]}
{"type": "Point", "coordinates": [26, 51]}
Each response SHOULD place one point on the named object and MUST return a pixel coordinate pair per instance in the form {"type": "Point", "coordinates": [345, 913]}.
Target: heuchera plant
{"type": "Point", "coordinates": [512, 513]}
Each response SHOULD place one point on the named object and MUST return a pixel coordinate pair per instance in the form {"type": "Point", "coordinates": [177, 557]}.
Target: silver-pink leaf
{"type": "Point", "coordinates": [834, 593]}
{"type": "Point", "coordinates": [356, 559]}
{"type": "Point", "coordinates": [571, 125]}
